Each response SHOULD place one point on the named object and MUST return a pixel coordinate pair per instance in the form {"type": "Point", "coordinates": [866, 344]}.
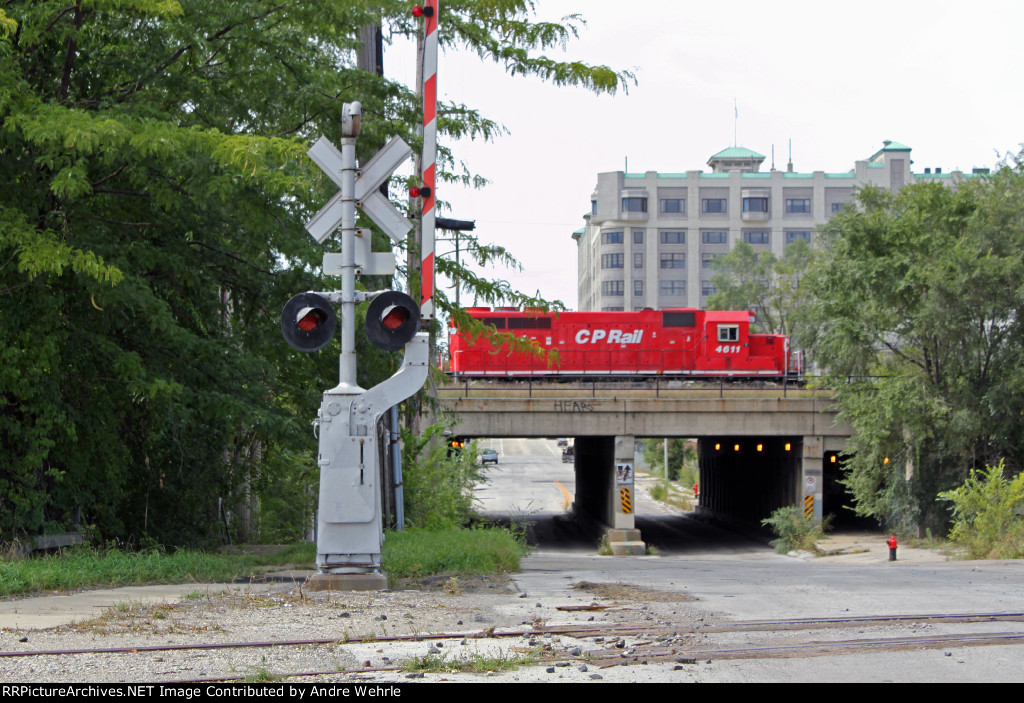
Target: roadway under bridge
{"type": "Point", "coordinates": [760, 446]}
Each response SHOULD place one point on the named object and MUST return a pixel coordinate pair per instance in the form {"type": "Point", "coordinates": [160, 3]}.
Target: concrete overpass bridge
{"type": "Point", "coordinates": [760, 446]}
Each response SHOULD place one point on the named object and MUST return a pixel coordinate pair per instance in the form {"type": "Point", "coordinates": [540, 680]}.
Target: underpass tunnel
{"type": "Point", "coordinates": [747, 478]}
{"type": "Point", "coordinates": [837, 498]}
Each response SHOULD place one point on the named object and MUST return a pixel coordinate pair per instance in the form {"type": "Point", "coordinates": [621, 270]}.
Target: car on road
{"type": "Point", "coordinates": [563, 442]}
{"type": "Point", "coordinates": [489, 455]}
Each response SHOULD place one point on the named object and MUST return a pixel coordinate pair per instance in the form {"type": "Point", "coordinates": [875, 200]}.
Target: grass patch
{"type": "Point", "coordinates": [413, 553]}
{"type": "Point", "coordinates": [417, 553]}
{"type": "Point", "coordinates": [474, 663]}
{"type": "Point", "coordinates": [86, 567]}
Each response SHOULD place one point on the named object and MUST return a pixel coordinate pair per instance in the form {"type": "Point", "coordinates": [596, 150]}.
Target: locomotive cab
{"type": "Point", "coordinates": [732, 350]}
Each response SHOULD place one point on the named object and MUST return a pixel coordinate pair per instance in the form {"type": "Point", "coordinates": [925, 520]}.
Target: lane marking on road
{"type": "Point", "coordinates": [565, 493]}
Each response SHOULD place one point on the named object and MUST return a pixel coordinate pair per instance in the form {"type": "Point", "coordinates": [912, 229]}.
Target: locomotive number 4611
{"type": "Point", "coordinates": [727, 349]}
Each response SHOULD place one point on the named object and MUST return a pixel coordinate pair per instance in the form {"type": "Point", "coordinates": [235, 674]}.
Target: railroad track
{"type": "Point", "coordinates": [623, 644]}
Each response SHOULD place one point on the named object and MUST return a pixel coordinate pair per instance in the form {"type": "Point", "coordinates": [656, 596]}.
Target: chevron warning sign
{"type": "Point", "coordinates": [627, 500]}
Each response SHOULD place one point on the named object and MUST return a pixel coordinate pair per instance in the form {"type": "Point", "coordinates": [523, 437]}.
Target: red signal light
{"type": "Point", "coordinates": [420, 191]}
{"type": "Point", "coordinates": [395, 318]}
{"type": "Point", "coordinates": [418, 11]}
{"type": "Point", "coordinates": [309, 321]}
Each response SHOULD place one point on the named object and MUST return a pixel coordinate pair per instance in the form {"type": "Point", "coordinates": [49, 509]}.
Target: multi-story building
{"type": "Point", "coordinates": [651, 238]}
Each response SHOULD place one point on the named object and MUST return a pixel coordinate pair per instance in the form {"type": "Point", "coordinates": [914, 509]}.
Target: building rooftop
{"type": "Point", "coordinates": [737, 152]}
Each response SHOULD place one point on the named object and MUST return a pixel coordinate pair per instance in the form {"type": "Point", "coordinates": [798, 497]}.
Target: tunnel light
{"type": "Point", "coordinates": [736, 447]}
{"type": "Point", "coordinates": [788, 446]}
{"type": "Point", "coordinates": [718, 447]}
{"type": "Point", "coordinates": [833, 458]}
{"type": "Point", "coordinates": [760, 447]}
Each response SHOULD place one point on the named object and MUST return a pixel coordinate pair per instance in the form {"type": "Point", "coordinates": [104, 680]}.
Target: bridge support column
{"type": "Point", "coordinates": [605, 490]}
{"type": "Point", "coordinates": [623, 537]}
{"type": "Point", "coordinates": [812, 482]}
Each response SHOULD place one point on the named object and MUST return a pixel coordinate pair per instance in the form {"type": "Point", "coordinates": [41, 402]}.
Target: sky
{"type": "Point", "coordinates": [832, 79]}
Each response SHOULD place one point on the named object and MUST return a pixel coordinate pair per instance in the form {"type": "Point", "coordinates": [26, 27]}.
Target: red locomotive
{"type": "Point", "coordinates": [683, 342]}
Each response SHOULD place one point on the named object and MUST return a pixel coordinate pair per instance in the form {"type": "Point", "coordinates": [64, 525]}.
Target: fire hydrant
{"type": "Point", "coordinates": [892, 548]}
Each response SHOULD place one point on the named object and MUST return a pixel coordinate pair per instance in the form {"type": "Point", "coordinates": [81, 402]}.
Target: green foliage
{"type": "Point", "coordinates": [772, 287]}
{"type": "Point", "coordinates": [794, 532]}
{"type": "Point", "coordinates": [918, 302]}
{"type": "Point", "coordinates": [417, 552]}
{"type": "Point", "coordinates": [152, 202]}
{"type": "Point", "coordinates": [438, 484]}
{"type": "Point", "coordinates": [682, 458]}
{"type": "Point", "coordinates": [988, 514]}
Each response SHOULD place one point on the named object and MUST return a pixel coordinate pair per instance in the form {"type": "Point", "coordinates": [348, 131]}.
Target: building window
{"type": "Point", "coordinates": [613, 288]}
{"type": "Point", "coordinates": [673, 237]}
{"type": "Point", "coordinates": [712, 205]}
{"type": "Point", "coordinates": [611, 237]}
{"type": "Point", "coordinates": [798, 206]}
{"type": "Point", "coordinates": [672, 288]}
{"type": "Point", "coordinates": [716, 237]}
{"type": "Point", "coordinates": [728, 333]}
{"type": "Point", "coordinates": [612, 309]}
{"type": "Point", "coordinates": [755, 205]}
{"type": "Point", "coordinates": [793, 236]}
{"type": "Point", "coordinates": [706, 288]}
{"type": "Point", "coordinates": [613, 261]}
{"type": "Point", "coordinates": [673, 206]}
{"type": "Point", "coordinates": [638, 236]}
{"type": "Point", "coordinates": [634, 204]}
{"type": "Point", "coordinates": [672, 261]}
{"type": "Point", "coordinates": [593, 207]}
{"type": "Point", "coordinates": [638, 260]}
{"type": "Point", "coordinates": [758, 237]}
{"type": "Point", "coordinates": [638, 287]}
{"type": "Point", "coordinates": [707, 261]}
{"type": "Point", "coordinates": [837, 207]}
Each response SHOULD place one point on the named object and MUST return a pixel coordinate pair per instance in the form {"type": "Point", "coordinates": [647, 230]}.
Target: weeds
{"type": "Point", "coordinates": [83, 567]}
{"type": "Point", "coordinates": [473, 663]}
{"type": "Point", "coordinates": [794, 532]}
{"type": "Point", "coordinates": [987, 510]}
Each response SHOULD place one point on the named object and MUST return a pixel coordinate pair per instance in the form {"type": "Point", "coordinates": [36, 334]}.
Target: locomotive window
{"type": "Point", "coordinates": [678, 319]}
{"type": "Point", "coordinates": [497, 323]}
{"type": "Point", "coordinates": [728, 333]}
{"type": "Point", "coordinates": [529, 323]}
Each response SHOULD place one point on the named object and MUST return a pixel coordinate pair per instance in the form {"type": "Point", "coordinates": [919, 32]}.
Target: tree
{"type": "Point", "coordinates": [682, 458]}
{"type": "Point", "coordinates": [153, 190]}
{"type": "Point", "coordinates": [919, 303]}
{"type": "Point", "coordinates": [772, 287]}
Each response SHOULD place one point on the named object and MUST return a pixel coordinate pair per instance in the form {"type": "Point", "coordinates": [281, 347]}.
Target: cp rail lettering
{"type": "Point", "coordinates": [574, 406]}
